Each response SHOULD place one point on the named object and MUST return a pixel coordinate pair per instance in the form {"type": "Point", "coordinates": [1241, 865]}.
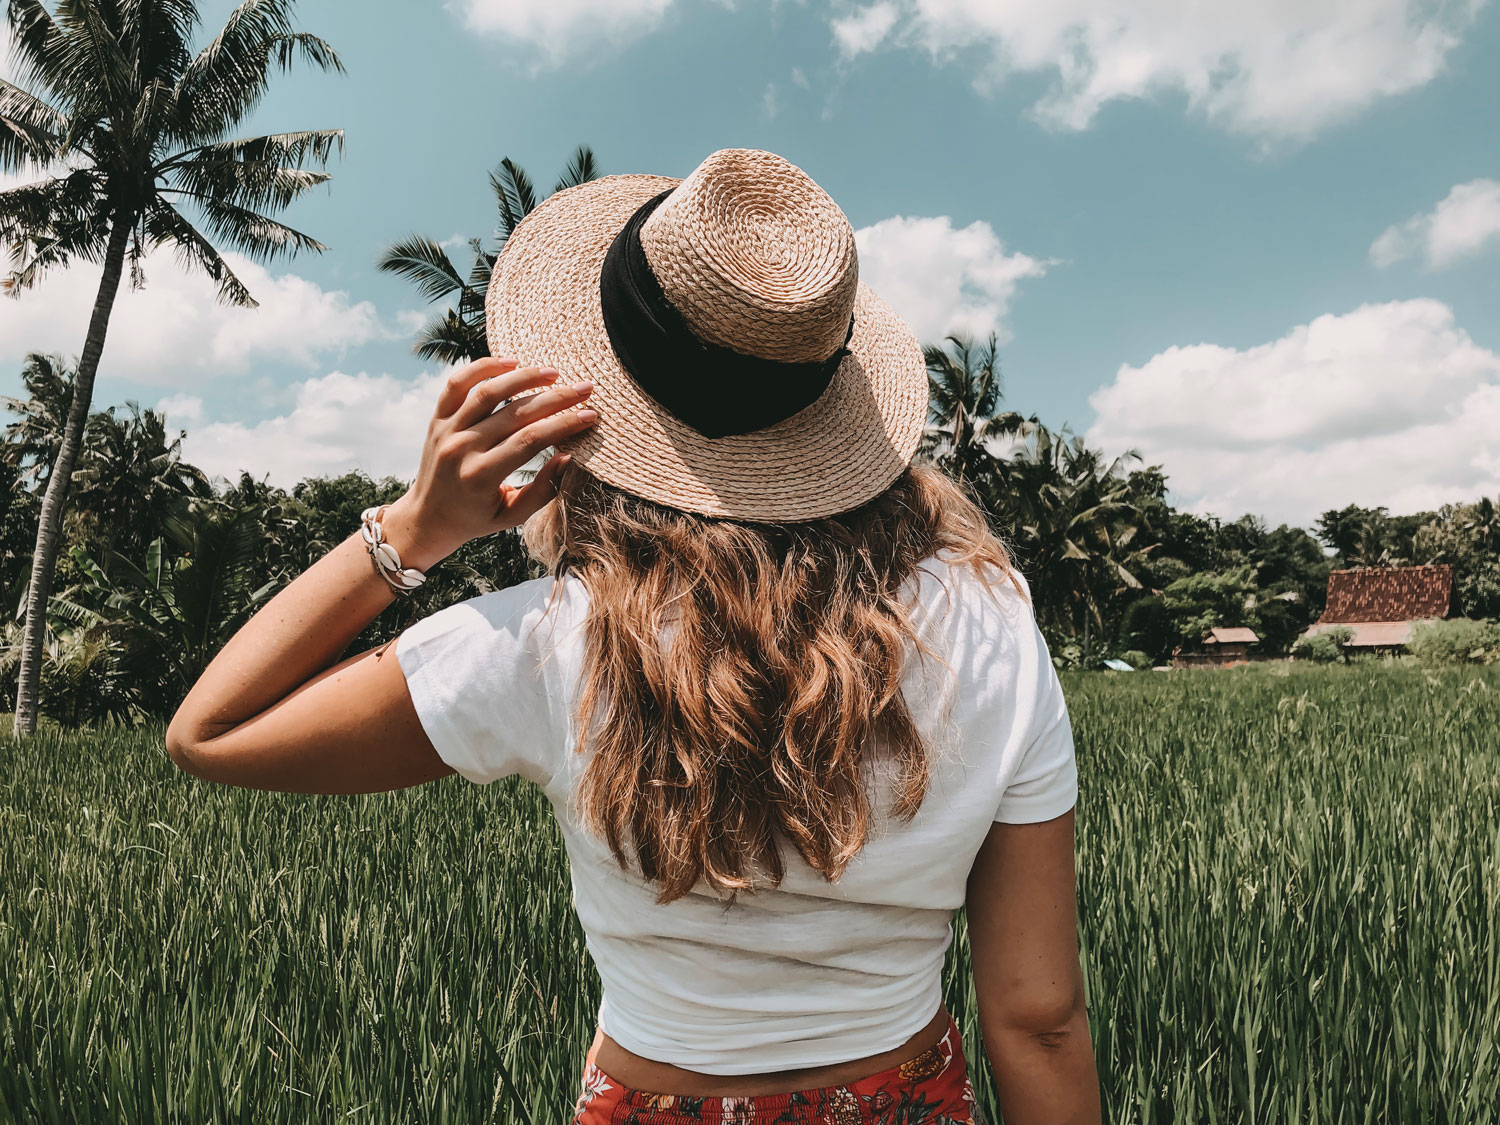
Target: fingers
{"type": "Point", "coordinates": [494, 428]}
{"type": "Point", "coordinates": [525, 443]}
{"type": "Point", "coordinates": [520, 504]}
{"type": "Point", "coordinates": [458, 384]}
{"type": "Point", "coordinates": [489, 393]}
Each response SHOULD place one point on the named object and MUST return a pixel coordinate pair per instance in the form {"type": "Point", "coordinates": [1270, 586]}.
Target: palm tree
{"type": "Point", "coordinates": [456, 335]}
{"type": "Point", "coordinates": [130, 476]}
{"type": "Point", "coordinates": [963, 412]}
{"type": "Point", "coordinates": [128, 125]}
{"type": "Point", "coordinates": [1482, 522]}
{"type": "Point", "coordinates": [35, 434]}
{"type": "Point", "coordinates": [175, 609]}
{"type": "Point", "coordinates": [1076, 518]}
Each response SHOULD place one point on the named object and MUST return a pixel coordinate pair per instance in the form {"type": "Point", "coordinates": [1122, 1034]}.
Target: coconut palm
{"type": "Point", "coordinates": [1482, 522]}
{"type": "Point", "coordinates": [456, 335]}
{"type": "Point", "coordinates": [34, 435]}
{"type": "Point", "coordinates": [965, 422]}
{"type": "Point", "coordinates": [130, 476]}
{"type": "Point", "coordinates": [1076, 520]}
{"type": "Point", "coordinates": [174, 609]}
{"type": "Point", "coordinates": [131, 134]}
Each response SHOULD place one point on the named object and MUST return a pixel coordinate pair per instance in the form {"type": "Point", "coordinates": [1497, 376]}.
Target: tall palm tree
{"type": "Point", "coordinates": [456, 335]}
{"type": "Point", "coordinates": [1482, 522]}
{"type": "Point", "coordinates": [35, 433]}
{"type": "Point", "coordinates": [177, 607]}
{"type": "Point", "coordinates": [128, 125]}
{"type": "Point", "coordinates": [1076, 521]}
{"type": "Point", "coordinates": [964, 416]}
{"type": "Point", "coordinates": [131, 475]}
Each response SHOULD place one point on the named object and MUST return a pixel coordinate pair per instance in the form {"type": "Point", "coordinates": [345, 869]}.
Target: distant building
{"type": "Point", "coordinates": [1220, 646]}
{"type": "Point", "coordinates": [1382, 605]}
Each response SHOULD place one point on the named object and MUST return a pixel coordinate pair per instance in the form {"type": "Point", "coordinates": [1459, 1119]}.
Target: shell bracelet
{"type": "Point", "coordinates": [384, 557]}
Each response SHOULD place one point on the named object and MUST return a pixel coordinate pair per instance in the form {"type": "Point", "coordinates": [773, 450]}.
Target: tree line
{"type": "Point", "coordinates": [161, 564]}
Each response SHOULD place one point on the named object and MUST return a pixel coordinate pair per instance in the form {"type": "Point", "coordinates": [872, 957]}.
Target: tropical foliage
{"type": "Point", "coordinates": [456, 334]}
{"type": "Point", "coordinates": [131, 133]}
{"type": "Point", "coordinates": [162, 565]}
{"type": "Point", "coordinates": [1457, 641]}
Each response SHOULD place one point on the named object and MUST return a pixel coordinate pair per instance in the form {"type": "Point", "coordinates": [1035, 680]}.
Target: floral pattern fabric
{"type": "Point", "coordinates": [931, 1089]}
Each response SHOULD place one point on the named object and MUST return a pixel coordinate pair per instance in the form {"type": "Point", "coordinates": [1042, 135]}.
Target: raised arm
{"type": "Point", "coordinates": [1023, 931]}
{"type": "Point", "coordinates": [273, 711]}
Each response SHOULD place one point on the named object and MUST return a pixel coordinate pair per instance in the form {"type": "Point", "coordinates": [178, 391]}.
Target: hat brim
{"type": "Point", "coordinates": [844, 449]}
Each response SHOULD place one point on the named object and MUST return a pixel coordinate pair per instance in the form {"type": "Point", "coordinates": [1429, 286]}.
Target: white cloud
{"type": "Point", "coordinates": [174, 332]}
{"type": "Point", "coordinates": [768, 102]}
{"type": "Point", "coordinates": [1274, 69]}
{"type": "Point", "coordinates": [1461, 225]}
{"type": "Point", "coordinates": [943, 279]}
{"type": "Point", "coordinates": [338, 422]}
{"type": "Point", "coordinates": [1389, 405]}
{"type": "Point", "coordinates": [556, 27]}
{"type": "Point", "coordinates": [865, 29]}
{"type": "Point", "coordinates": [182, 410]}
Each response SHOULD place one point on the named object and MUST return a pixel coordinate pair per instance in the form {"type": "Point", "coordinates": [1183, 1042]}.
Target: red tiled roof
{"type": "Point", "coordinates": [1389, 593]}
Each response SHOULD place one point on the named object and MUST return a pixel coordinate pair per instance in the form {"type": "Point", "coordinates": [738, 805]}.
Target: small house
{"type": "Point", "coordinates": [1381, 606]}
{"type": "Point", "coordinates": [1220, 646]}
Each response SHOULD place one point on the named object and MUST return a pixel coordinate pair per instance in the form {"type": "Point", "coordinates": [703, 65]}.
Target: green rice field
{"type": "Point", "coordinates": [1290, 908]}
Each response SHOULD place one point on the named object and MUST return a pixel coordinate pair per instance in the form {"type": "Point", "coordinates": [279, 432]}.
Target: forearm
{"type": "Point", "coordinates": [275, 710]}
{"type": "Point", "coordinates": [298, 635]}
{"type": "Point", "coordinates": [1047, 1077]}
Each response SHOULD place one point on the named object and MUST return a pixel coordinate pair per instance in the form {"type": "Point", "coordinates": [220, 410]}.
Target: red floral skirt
{"type": "Point", "coordinates": [931, 1089]}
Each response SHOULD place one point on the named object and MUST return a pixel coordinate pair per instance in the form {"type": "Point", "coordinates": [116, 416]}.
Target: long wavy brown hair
{"type": "Point", "coordinates": [739, 676]}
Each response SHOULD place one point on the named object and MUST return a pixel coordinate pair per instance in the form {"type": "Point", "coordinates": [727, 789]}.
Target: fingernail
{"type": "Point", "coordinates": [588, 415]}
{"type": "Point", "coordinates": [583, 388]}
{"type": "Point", "coordinates": [550, 372]}
{"type": "Point", "coordinates": [510, 361]}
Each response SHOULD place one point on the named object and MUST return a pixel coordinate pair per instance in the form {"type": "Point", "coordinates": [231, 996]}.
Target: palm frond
{"type": "Point", "coordinates": [515, 195]}
{"type": "Point", "coordinates": [30, 129]}
{"type": "Point", "coordinates": [483, 267]}
{"type": "Point", "coordinates": [257, 172]}
{"type": "Point", "coordinates": [36, 45]}
{"type": "Point", "coordinates": [424, 263]}
{"type": "Point", "coordinates": [450, 338]}
{"type": "Point", "coordinates": [35, 209]}
{"type": "Point", "coordinates": [229, 76]}
{"type": "Point", "coordinates": [261, 237]}
{"type": "Point", "coordinates": [97, 47]}
{"type": "Point", "coordinates": [165, 224]}
{"type": "Point", "coordinates": [580, 169]}
{"type": "Point", "coordinates": [48, 223]}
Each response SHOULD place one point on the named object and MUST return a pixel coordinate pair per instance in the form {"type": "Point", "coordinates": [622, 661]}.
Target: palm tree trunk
{"type": "Point", "coordinates": [44, 559]}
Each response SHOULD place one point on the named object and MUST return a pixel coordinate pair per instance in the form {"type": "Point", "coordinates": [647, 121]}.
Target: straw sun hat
{"type": "Point", "coordinates": [740, 369]}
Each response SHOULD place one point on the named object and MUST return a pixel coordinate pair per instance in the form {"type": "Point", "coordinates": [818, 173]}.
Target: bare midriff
{"type": "Point", "coordinates": [638, 1073]}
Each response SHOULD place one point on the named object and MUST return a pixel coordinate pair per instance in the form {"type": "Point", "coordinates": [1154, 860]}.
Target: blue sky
{"type": "Point", "coordinates": [1260, 246]}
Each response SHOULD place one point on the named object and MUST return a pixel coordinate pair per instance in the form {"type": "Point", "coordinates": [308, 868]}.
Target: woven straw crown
{"type": "Point", "coordinates": [756, 258]}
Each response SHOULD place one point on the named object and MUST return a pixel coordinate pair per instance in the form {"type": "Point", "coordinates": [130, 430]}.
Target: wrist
{"type": "Point", "coordinates": [412, 538]}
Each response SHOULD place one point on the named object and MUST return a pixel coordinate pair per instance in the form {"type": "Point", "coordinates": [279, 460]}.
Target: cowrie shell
{"type": "Point", "coordinates": [388, 557]}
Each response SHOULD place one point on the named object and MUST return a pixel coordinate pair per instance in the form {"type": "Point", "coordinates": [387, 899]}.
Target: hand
{"type": "Point", "coordinates": [471, 447]}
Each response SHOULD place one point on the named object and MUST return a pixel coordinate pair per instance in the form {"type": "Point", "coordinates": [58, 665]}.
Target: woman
{"type": "Point", "coordinates": [782, 688]}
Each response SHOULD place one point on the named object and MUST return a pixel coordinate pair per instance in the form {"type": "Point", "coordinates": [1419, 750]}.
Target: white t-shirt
{"type": "Point", "coordinates": [813, 973]}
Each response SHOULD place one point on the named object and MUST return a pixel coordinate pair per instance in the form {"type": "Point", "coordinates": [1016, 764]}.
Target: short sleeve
{"type": "Point", "coordinates": [1045, 782]}
{"type": "Point", "coordinates": [479, 678]}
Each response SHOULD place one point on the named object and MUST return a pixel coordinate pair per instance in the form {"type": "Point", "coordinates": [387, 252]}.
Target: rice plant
{"type": "Point", "coordinates": [1289, 903]}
